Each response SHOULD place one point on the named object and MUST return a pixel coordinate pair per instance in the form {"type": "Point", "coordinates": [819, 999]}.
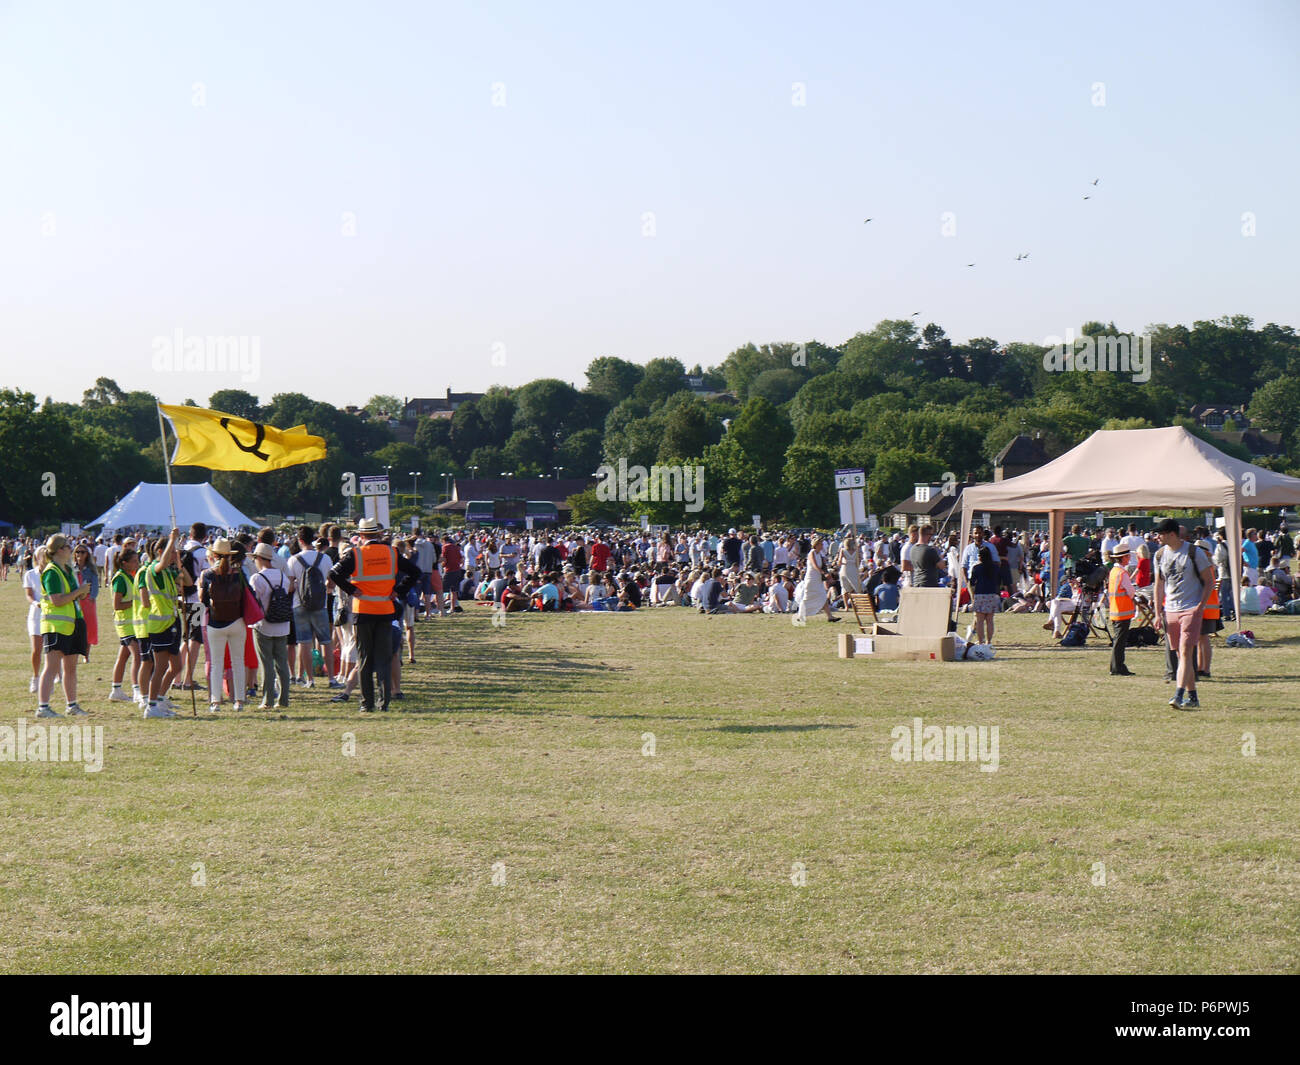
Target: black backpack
{"type": "Point", "coordinates": [311, 596]}
{"type": "Point", "coordinates": [280, 607]}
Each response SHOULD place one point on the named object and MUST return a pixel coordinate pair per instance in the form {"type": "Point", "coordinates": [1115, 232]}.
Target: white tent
{"type": "Point", "coordinates": [148, 505]}
{"type": "Point", "coordinates": [1126, 469]}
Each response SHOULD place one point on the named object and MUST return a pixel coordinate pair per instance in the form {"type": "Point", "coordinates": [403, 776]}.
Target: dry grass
{"type": "Point", "coordinates": [523, 746]}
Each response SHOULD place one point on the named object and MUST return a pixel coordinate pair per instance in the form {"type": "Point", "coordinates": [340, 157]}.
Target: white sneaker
{"type": "Point", "coordinates": [75, 711]}
{"type": "Point", "coordinates": [213, 707]}
{"type": "Point", "coordinates": [45, 711]}
{"type": "Point", "coordinates": [117, 695]}
{"type": "Point", "coordinates": [166, 703]}
{"type": "Point", "coordinates": [157, 711]}
{"type": "Point", "coordinates": [32, 686]}
{"type": "Point", "coordinates": [237, 707]}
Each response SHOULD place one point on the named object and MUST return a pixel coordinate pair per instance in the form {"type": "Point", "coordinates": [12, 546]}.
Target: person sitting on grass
{"type": "Point", "coordinates": [547, 596]}
{"type": "Point", "coordinates": [1249, 597]}
{"type": "Point", "coordinates": [629, 595]}
{"type": "Point", "coordinates": [744, 598]}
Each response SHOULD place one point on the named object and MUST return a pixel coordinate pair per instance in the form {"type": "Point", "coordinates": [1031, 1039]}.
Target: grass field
{"type": "Point", "coordinates": [522, 749]}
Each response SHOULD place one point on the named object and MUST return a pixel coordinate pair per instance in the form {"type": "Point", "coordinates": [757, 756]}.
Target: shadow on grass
{"type": "Point", "coordinates": [775, 728]}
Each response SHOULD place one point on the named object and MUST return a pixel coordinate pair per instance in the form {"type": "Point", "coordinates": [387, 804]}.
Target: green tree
{"type": "Point", "coordinates": [1275, 407]}
{"type": "Point", "coordinates": [661, 379]}
{"type": "Point", "coordinates": [384, 407]}
{"type": "Point", "coordinates": [612, 378]}
{"type": "Point", "coordinates": [238, 402]}
{"type": "Point", "coordinates": [896, 472]}
{"type": "Point", "coordinates": [688, 427]}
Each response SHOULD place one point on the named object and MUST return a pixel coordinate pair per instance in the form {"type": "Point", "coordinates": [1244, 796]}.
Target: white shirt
{"type": "Point", "coordinates": [298, 566]}
{"type": "Point", "coordinates": [262, 583]}
{"type": "Point", "coordinates": [781, 556]}
{"type": "Point", "coordinates": [778, 599]}
{"type": "Point", "coordinates": [101, 552]}
{"type": "Point", "coordinates": [201, 560]}
{"type": "Point", "coordinates": [32, 581]}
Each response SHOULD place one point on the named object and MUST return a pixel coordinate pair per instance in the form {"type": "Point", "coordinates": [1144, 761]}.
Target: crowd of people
{"type": "Point", "coordinates": [278, 611]}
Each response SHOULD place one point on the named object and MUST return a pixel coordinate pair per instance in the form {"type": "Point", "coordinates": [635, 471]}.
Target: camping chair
{"type": "Point", "coordinates": [861, 603]}
{"type": "Point", "coordinates": [1144, 611]}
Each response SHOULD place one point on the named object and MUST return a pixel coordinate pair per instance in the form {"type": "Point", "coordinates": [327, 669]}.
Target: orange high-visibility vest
{"type": "Point", "coordinates": [374, 578]}
{"type": "Point", "coordinates": [1121, 595]}
{"type": "Point", "coordinates": [1212, 611]}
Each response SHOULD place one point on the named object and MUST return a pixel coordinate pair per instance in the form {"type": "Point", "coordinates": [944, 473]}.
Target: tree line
{"type": "Point", "coordinates": [768, 425]}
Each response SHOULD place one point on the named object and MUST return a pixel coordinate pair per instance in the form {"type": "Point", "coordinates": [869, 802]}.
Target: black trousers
{"type": "Point", "coordinates": [1121, 641]}
{"type": "Point", "coordinates": [375, 655]}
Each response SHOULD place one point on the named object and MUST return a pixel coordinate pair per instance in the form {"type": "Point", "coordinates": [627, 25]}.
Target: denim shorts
{"type": "Point", "coordinates": [309, 623]}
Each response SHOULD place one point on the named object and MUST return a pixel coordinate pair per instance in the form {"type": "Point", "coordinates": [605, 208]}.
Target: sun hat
{"type": "Point", "coordinates": [221, 547]}
{"type": "Point", "coordinates": [369, 527]}
{"type": "Point", "coordinates": [265, 551]}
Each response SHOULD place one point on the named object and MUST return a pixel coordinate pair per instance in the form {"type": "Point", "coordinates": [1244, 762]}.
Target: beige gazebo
{"type": "Point", "coordinates": [1126, 469]}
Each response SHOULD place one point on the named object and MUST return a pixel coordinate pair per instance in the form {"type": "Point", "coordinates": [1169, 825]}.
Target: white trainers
{"type": "Point", "coordinates": [237, 707]}
{"type": "Point", "coordinates": [45, 711]}
{"type": "Point", "coordinates": [213, 707]}
{"type": "Point", "coordinates": [166, 703]}
{"type": "Point", "coordinates": [157, 711]}
{"type": "Point", "coordinates": [32, 686]}
{"type": "Point", "coordinates": [75, 711]}
{"type": "Point", "coordinates": [117, 695]}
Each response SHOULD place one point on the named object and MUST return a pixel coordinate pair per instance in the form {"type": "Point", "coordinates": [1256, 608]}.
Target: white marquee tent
{"type": "Point", "coordinates": [148, 505]}
{"type": "Point", "coordinates": [1127, 469]}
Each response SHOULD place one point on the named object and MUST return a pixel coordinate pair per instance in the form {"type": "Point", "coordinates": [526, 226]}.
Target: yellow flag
{"type": "Point", "coordinates": [225, 442]}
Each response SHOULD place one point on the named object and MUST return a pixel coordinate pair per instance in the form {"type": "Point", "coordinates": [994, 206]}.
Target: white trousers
{"type": "Point", "coordinates": [232, 636]}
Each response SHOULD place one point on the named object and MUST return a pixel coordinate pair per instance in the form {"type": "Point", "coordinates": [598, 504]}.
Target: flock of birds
{"type": "Point", "coordinates": [1019, 258]}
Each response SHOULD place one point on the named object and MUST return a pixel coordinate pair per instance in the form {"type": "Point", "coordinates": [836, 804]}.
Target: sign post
{"type": "Point", "coordinates": [850, 483]}
{"type": "Point", "coordinates": [373, 488]}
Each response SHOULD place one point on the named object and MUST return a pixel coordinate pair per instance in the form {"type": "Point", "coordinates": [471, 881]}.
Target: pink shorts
{"type": "Point", "coordinates": [1183, 630]}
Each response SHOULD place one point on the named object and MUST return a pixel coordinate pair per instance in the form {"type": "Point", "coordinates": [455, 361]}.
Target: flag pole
{"type": "Point", "coordinates": [162, 433]}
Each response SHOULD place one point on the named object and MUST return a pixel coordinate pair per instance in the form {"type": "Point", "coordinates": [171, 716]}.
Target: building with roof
{"type": "Point", "coordinates": [414, 409]}
{"type": "Point", "coordinates": [1021, 455]}
{"type": "Point", "coordinates": [557, 490]}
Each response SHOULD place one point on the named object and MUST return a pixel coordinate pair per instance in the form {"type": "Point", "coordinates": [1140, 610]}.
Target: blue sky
{"type": "Point", "coordinates": [182, 166]}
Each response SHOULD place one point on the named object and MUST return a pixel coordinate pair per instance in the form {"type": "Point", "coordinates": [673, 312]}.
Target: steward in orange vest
{"type": "Point", "coordinates": [1121, 608]}
{"type": "Point", "coordinates": [377, 578]}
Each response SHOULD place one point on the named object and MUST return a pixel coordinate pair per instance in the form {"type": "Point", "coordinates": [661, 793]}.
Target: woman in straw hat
{"type": "Point", "coordinates": [221, 591]}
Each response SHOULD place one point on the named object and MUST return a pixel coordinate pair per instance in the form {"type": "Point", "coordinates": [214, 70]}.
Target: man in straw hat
{"type": "Point", "coordinates": [378, 578]}
{"type": "Point", "coordinates": [1121, 607]}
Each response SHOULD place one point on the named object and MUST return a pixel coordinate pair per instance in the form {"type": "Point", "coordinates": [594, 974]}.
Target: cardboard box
{"type": "Point", "coordinates": [920, 634]}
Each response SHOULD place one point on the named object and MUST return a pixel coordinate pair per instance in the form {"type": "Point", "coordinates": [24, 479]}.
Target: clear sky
{"type": "Point", "coordinates": [196, 167]}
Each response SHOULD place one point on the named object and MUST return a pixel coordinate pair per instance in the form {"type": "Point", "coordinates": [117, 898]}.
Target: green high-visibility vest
{"type": "Point", "coordinates": [124, 585]}
{"type": "Point", "coordinates": [161, 584]}
{"type": "Point", "coordinates": [60, 619]}
{"type": "Point", "coordinates": [139, 615]}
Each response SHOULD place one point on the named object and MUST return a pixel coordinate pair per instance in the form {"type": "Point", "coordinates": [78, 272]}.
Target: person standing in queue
{"type": "Point", "coordinates": [159, 587]}
{"type": "Point", "coordinates": [124, 596]}
{"type": "Point", "coordinates": [377, 578]}
{"type": "Point", "coordinates": [60, 612]}
{"type": "Point", "coordinates": [1121, 608]}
